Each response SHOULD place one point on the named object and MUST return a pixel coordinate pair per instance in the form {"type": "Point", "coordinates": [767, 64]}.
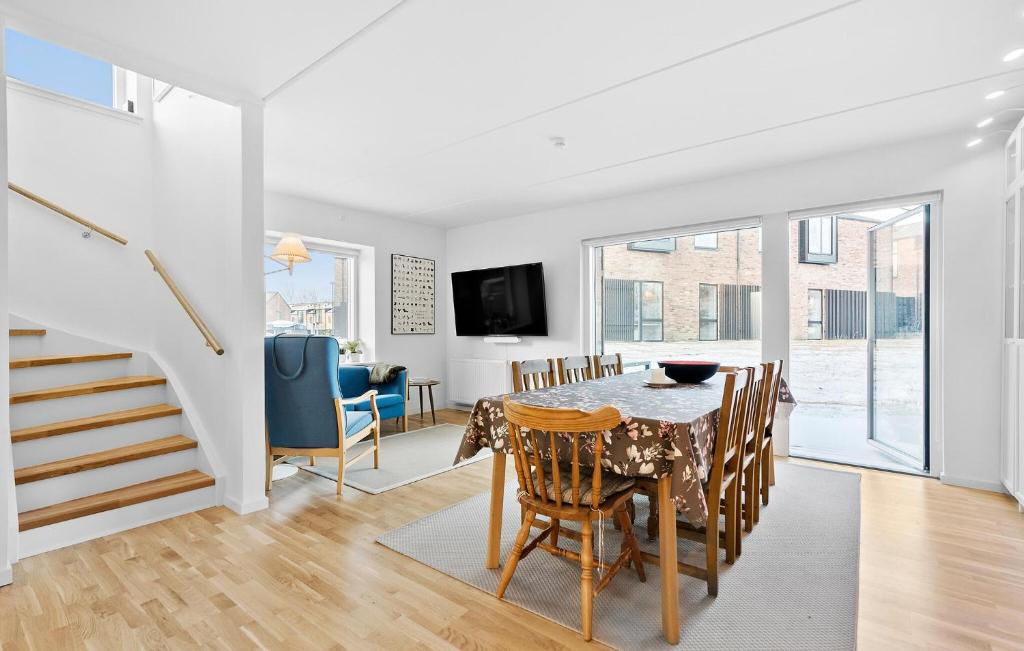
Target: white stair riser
{"type": "Point", "coordinates": [54, 342]}
{"type": "Point", "coordinates": [26, 347]}
{"type": "Point", "coordinates": [29, 414]}
{"type": "Point", "coordinates": [38, 494]}
{"type": "Point", "coordinates": [70, 532]}
{"type": "Point", "coordinates": [65, 446]}
{"type": "Point", "coordinates": [58, 375]}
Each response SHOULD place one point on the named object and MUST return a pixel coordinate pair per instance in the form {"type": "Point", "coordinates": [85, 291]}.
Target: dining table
{"type": "Point", "coordinates": [667, 433]}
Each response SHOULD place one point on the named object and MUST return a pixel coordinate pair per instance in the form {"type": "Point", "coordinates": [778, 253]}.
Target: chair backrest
{"type": "Point", "coordinates": [606, 365]}
{"type": "Point", "coordinates": [756, 412]}
{"type": "Point", "coordinates": [533, 429]}
{"type": "Point", "coordinates": [533, 374]}
{"type": "Point", "coordinates": [773, 398]}
{"type": "Point", "coordinates": [300, 379]}
{"type": "Point", "coordinates": [732, 419]}
{"type": "Point", "coordinates": [574, 369]}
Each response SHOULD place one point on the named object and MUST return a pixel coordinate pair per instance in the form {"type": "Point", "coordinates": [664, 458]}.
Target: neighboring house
{"type": "Point", "coordinates": [318, 318]}
{"type": "Point", "coordinates": [708, 287]}
{"type": "Point", "coordinates": [277, 308]}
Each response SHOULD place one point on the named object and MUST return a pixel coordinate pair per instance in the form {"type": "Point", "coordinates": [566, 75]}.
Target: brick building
{"type": "Point", "coordinates": [707, 287]}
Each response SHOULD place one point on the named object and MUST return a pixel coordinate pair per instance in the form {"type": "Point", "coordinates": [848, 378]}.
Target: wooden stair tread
{"type": "Point", "coordinates": [26, 332]}
{"type": "Point", "coordinates": [50, 360]}
{"type": "Point", "coordinates": [87, 388]}
{"type": "Point", "coordinates": [117, 498]}
{"type": "Point", "coordinates": [94, 422]}
{"type": "Point", "coordinates": [104, 458]}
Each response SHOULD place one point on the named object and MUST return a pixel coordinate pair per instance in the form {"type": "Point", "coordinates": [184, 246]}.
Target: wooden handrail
{"type": "Point", "coordinates": [28, 194]}
{"type": "Point", "coordinates": [211, 341]}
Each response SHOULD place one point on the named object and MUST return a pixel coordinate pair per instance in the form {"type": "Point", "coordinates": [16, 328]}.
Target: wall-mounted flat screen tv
{"type": "Point", "coordinates": [500, 301]}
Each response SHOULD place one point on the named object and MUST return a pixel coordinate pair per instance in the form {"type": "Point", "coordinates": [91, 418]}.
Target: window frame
{"type": "Point", "coordinates": [820, 322]}
{"type": "Point", "coordinates": [806, 256]}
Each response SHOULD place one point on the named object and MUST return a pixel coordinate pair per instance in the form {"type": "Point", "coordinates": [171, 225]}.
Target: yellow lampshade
{"type": "Point", "coordinates": [290, 250]}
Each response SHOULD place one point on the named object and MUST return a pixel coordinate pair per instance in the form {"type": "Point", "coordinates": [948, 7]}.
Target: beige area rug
{"type": "Point", "coordinates": [405, 458]}
{"type": "Point", "coordinates": [794, 587]}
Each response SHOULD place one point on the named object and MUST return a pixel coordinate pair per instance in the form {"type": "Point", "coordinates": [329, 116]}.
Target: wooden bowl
{"type": "Point", "coordinates": [689, 372]}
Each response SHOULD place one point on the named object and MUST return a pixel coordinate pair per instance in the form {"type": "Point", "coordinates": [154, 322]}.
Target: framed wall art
{"type": "Point", "coordinates": [412, 295]}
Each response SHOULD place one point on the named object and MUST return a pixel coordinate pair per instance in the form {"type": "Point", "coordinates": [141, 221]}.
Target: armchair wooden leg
{"type": "Point", "coordinates": [376, 447]}
{"type": "Point", "coordinates": [341, 468]}
{"type": "Point", "coordinates": [312, 460]}
{"type": "Point", "coordinates": [270, 470]}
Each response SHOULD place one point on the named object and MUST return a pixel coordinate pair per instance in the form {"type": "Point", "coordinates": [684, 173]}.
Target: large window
{"type": "Point", "coordinates": [633, 310]}
{"type": "Point", "coordinates": [317, 298]}
{"type": "Point", "coordinates": [819, 240]}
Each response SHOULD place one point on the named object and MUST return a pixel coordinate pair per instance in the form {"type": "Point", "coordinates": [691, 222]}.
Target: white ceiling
{"type": "Point", "coordinates": [441, 111]}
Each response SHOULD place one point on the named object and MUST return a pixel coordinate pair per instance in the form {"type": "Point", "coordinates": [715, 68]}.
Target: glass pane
{"type": "Point", "coordinates": [826, 235]}
{"type": "Point", "coordinates": [814, 305]}
{"type": "Point", "coordinates": [652, 301]}
{"type": "Point", "coordinates": [342, 288]}
{"type": "Point", "coordinates": [307, 299]}
{"type": "Point", "coordinates": [58, 69]}
{"type": "Point", "coordinates": [1008, 267]}
{"type": "Point", "coordinates": [814, 235]}
{"type": "Point", "coordinates": [814, 330]}
{"type": "Point", "coordinates": [696, 303]}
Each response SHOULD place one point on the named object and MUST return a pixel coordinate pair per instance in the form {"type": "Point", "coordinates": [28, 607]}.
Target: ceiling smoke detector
{"type": "Point", "coordinates": [558, 142]}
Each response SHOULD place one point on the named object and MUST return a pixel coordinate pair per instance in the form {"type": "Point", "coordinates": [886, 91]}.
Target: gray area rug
{"type": "Point", "coordinates": [794, 587]}
{"type": "Point", "coordinates": [404, 458]}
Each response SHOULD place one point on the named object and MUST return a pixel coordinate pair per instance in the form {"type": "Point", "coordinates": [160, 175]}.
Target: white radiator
{"type": "Point", "coordinates": [472, 379]}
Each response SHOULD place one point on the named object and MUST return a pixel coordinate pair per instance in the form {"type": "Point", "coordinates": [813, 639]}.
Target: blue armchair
{"type": "Point", "coordinates": [305, 411]}
{"type": "Point", "coordinates": [391, 397]}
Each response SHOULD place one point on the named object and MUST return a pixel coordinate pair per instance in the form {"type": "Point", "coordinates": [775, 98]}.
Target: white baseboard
{"type": "Point", "coordinates": [6, 575]}
{"type": "Point", "coordinates": [993, 486]}
{"type": "Point", "coordinates": [244, 508]}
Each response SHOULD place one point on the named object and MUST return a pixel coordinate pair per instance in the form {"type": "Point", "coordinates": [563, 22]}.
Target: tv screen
{"type": "Point", "coordinates": [500, 301]}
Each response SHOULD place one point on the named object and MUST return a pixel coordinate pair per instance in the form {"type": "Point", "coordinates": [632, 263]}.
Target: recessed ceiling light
{"type": "Point", "coordinates": [984, 123]}
{"type": "Point", "coordinates": [974, 142]}
{"type": "Point", "coordinates": [1013, 55]}
{"type": "Point", "coordinates": [994, 94]}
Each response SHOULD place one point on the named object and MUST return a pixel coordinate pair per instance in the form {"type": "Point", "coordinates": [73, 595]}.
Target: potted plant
{"type": "Point", "coordinates": [354, 350]}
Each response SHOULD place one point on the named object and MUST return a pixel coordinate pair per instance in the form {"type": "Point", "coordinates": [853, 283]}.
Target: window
{"type": "Point", "coordinates": [814, 314]}
{"type": "Point", "coordinates": [662, 245]}
{"type": "Point", "coordinates": [316, 298]}
{"type": "Point", "coordinates": [651, 300]}
{"type": "Point", "coordinates": [819, 240]}
{"type": "Point", "coordinates": [633, 310]}
{"type": "Point", "coordinates": [57, 69]}
{"type": "Point", "coordinates": [708, 327]}
{"type": "Point", "coordinates": [706, 241]}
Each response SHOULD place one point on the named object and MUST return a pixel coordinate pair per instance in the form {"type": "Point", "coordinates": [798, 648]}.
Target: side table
{"type": "Point", "coordinates": [430, 383]}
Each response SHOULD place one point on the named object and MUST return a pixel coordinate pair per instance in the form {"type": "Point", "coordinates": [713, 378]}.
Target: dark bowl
{"type": "Point", "coordinates": [689, 372]}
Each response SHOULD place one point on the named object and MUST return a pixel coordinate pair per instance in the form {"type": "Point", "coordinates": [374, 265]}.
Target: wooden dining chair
{"type": "Point", "coordinates": [607, 365]}
{"type": "Point", "coordinates": [722, 488]}
{"type": "Point", "coordinates": [533, 374]}
{"type": "Point", "coordinates": [582, 496]}
{"type": "Point", "coordinates": [574, 369]}
{"type": "Point", "coordinates": [750, 445]}
{"type": "Point", "coordinates": [767, 461]}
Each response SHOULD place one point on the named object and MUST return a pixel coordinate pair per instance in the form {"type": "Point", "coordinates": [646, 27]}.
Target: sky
{"type": "Point", "coordinates": [55, 68]}
{"type": "Point", "coordinates": [310, 279]}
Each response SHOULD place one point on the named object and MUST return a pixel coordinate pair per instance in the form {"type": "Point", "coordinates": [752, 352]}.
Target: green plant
{"type": "Point", "coordinates": [353, 346]}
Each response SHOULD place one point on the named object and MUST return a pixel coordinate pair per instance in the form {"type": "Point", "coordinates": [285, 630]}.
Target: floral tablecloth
{"type": "Point", "coordinates": [668, 430]}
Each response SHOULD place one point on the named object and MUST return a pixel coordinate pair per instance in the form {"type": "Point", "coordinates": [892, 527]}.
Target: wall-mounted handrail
{"type": "Point", "coordinates": [211, 341]}
{"type": "Point", "coordinates": [32, 196]}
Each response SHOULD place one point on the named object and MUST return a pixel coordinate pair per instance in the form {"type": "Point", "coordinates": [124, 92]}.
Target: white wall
{"type": "Point", "coordinates": [972, 187]}
{"type": "Point", "coordinates": [424, 355]}
{"type": "Point", "coordinates": [8, 508]}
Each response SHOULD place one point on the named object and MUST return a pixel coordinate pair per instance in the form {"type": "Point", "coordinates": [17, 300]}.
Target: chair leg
{"type": "Point", "coordinates": [341, 468]}
{"type": "Point", "coordinates": [730, 522]}
{"type": "Point", "coordinates": [629, 539]}
{"type": "Point", "coordinates": [766, 462]}
{"type": "Point", "coordinates": [405, 422]}
{"type": "Point", "coordinates": [652, 517]}
{"type": "Point", "coordinates": [749, 497]}
{"type": "Point", "coordinates": [587, 580]}
{"type": "Point", "coordinates": [711, 551]}
{"type": "Point", "coordinates": [515, 554]}
{"type": "Point", "coordinates": [555, 527]}
{"type": "Point", "coordinates": [270, 470]}
{"type": "Point", "coordinates": [312, 460]}
{"type": "Point", "coordinates": [376, 447]}
{"type": "Point", "coordinates": [771, 461]}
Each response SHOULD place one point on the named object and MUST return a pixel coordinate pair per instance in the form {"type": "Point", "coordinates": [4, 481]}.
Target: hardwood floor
{"type": "Point", "coordinates": [941, 568]}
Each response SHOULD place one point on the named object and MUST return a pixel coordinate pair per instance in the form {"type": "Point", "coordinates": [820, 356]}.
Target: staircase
{"type": "Point", "coordinates": [100, 441]}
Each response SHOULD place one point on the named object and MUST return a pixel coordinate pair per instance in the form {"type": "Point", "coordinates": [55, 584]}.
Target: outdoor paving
{"type": "Point", "coordinates": [829, 382]}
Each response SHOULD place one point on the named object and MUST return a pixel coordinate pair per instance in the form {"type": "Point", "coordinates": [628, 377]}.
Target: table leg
{"type": "Point", "coordinates": [497, 505]}
{"type": "Point", "coordinates": [421, 405]}
{"type": "Point", "coordinates": [669, 569]}
{"type": "Point", "coordinates": [430, 392]}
